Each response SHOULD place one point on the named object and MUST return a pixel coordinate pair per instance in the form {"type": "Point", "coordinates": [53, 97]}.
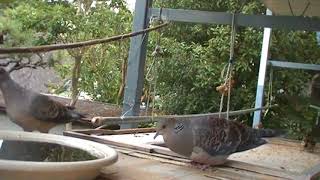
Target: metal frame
{"type": "Point", "coordinates": [210, 17]}
{"type": "Point", "coordinates": [137, 53]}
{"type": "Point", "coordinates": [292, 65]}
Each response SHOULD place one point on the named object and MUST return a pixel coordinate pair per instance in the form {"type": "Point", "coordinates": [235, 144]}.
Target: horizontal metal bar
{"type": "Point", "coordinates": [210, 17]}
{"type": "Point", "coordinates": [191, 16]}
{"type": "Point", "coordinates": [292, 65]}
{"type": "Point", "coordinates": [315, 107]}
{"type": "Point", "coordinates": [139, 119]}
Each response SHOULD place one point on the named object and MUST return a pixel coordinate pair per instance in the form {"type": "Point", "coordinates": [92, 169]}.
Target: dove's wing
{"type": "Point", "coordinates": [250, 138]}
{"type": "Point", "coordinates": [45, 109]}
{"type": "Point", "coordinates": [216, 136]}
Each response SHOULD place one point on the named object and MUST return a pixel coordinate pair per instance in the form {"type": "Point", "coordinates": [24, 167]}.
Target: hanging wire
{"type": "Point", "coordinates": [225, 81]}
{"type": "Point", "coordinates": [121, 54]}
{"type": "Point", "coordinates": [131, 104]}
{"type": "Point", "coordinates": [152, 72]}
{"type": "Point", "coordinates": [150, 77]}
{"type": "Point", "coordinates": [233, 34]}
{"type": "Point", "coordinates": [270, 89]}
{"type": "Point", "coordinates": [135, 55]}
{"type": "Point", "coordinates": [228, 76]}
{"type": "Point", "coordinates": [270, 85]}
{"type": "Point", "coordinates": [306, 8]}
{"type": "Point", "coordinates": [154, 92]}
{"type": "Point", "coordinates": [233, 37]}
{"type": "Point", "coordinates": [290, 7]}
{"type": "Point", "coordinates": [128, 102]}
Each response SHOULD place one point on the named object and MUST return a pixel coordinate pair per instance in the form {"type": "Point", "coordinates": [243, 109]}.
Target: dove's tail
{"type": "Point", "coordinates": [269, 132]}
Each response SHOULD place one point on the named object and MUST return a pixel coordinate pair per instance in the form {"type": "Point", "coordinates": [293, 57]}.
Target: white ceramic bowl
{"type": "Point", "coordinates": [77, 170]}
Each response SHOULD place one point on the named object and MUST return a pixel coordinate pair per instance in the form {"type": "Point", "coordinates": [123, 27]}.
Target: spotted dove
{"type": "Point", "coordinates": [210, 140]}
{"type": "Point", "coordinates": [31, 110]}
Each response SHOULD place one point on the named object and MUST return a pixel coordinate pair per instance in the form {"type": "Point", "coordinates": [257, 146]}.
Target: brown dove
{"type": "Point", "coordinates": [209, 140]}
{"type": "Point", "coordinates": [315, 89]}
{"type": "Point", "coordinates": [31, 110]}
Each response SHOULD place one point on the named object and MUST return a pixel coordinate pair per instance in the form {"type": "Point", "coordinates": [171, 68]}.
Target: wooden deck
{"type": "Point", "coordinates": [133, 165]}
{"type": "Point", "coordinates": [141, 157]}
{"type": "Point", "coordinates": [133, 168]}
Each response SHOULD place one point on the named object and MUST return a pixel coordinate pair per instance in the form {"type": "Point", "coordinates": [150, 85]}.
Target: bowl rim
{"type": "Point", "coordinates": [105, 154]}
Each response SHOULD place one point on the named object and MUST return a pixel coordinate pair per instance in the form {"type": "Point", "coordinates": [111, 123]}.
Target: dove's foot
{"type": "Point", "coordinates": [200, 166]}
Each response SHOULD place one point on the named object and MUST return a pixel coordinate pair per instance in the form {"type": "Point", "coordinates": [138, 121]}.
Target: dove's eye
{"type": "Point", "coordinates": [163, 126]}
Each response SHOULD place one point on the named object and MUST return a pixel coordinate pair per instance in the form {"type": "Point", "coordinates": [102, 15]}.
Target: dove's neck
{"type": "Point", "coordinates": [180, 142]}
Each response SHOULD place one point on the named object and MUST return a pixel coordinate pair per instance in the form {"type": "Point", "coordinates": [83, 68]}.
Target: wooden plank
{"type": "Point", "coordinates": [219, 172]}
{"type": "Point", "coordinates": [239, 165]}
{"type": "Point", "coordinates": [260, 169]}
{"type": "Point", "coordinates": [226, 173]}
{"type": "Point", "coordinates": [312, 173]}
{"type": "Point", "coordinates": [105, 141]}
{"type": "Point", "coordinates": [152, 149]}
{"type": "Point", "coordinates": [209, 17]}
{"type": "Point", "coordinates": [129, 151]}
{"type": "Point", "coordinates": [166, 159]}
{"type": "Point", "coordinates": [145, 148]}
{"type": "Point", "coordinates": [159, 152]}
{"type": "Point", "coordinates": [291, 143]}
{"type": "Point", "coordinates": [133, 168]}
{"type": "Point", "coordinates": [165, 151]}
{"type": "Point", "coordinates": [293, 65]}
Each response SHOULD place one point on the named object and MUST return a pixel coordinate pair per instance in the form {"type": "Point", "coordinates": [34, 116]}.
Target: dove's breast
{"type": "Point", "coordinates": [180, 139]}
{"type": "Point", "coordinates": [18, 102]}
{"type": "Point", "coordinates": [21, 115]}
{"type": "Point", "coordinates": [179, 144]}
{"type": "Point", "coordinates": [17, 110]}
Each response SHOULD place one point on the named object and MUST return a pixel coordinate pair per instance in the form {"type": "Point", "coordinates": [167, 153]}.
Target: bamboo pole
{"type": "Point", "coordinates": [138, 119]}
{"type": "Point", "coordinates": [46, 48]}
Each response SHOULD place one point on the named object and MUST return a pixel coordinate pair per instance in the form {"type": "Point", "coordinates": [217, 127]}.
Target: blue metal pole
{"type": "Point", "coordinates": [136, 63]}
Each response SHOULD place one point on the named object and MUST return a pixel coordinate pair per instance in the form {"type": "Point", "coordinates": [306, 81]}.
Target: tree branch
{"type": "Point", "coordinates": [46, 48]}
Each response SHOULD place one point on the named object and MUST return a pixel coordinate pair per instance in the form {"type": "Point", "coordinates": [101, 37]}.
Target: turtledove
{"type": "Point", "coordinates": [31, 110]}
{"type": "Point", "coordinates": [315, 89]}
{"type": "Point", "coordinates": [209, 140]}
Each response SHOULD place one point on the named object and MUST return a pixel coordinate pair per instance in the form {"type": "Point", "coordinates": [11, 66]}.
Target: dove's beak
{"type": "Point", "coordinates": [157, 134]}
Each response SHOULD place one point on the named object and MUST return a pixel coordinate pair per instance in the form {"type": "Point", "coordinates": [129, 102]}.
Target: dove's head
{"type": "Point", "coordinates": [4, 75]}
{"type": "Point", "coordinates": [165, 126]}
